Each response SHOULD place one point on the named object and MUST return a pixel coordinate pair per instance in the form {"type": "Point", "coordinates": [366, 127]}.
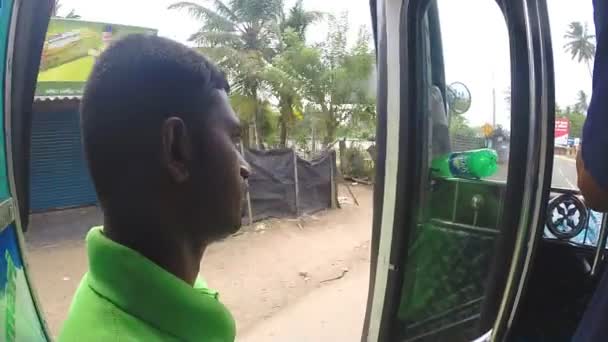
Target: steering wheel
{"type": "Point", "coordinates": [562, 219]}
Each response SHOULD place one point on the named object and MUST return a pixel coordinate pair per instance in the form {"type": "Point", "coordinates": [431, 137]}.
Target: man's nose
{"type": "Point", "coordinates": [245, 171]}
{"type": "Point", "coordinates": [245, 167]}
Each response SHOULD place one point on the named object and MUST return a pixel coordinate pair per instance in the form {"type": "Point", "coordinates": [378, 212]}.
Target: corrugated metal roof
{"type": "Point", "coordinates": [57, 98]}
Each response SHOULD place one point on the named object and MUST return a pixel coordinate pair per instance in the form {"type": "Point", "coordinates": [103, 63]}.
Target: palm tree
{"type": "Point", "coordinates": [582, 102]}
{"type": "Point", "coordinates": [72, 15]}
{"type": "Point", "coordinates": [281, 74]}
{"type": "Point", "coordinates": [581, 44]}
{"type": "Point", "coordinates": [55, 10]}
{"type": "Point", "coordinates": [299, 19]}
{"type": "Point", "coordinates": [239, 36]}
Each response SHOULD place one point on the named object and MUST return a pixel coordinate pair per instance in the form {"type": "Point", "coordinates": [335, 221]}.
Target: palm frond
{"type": "Point", "coordinates": [56, 6]}
{"type": "Point", "coordinates": [575, 30]}
{"type": "Point", "coordinates": [212, 19]}
{"type": "Point", "coordinates": [580, 43]}
{"type": "Point", "coordinates": [243, 65]}
{"type": "Point", "coordinates": [257, 11]}
{"type": "Point", "coordinates": [72, 15]}
{"type": "Point", "coordinates": [313, 16]}
{"type": "Point", "coordinates": [214, 38]}
{"type": "Point", "coordinates": [281, 81]}
{"type": "Point", "coordinates": [243, 105]}
{"type": "Point", "coordinates": [224, 56]}
{"type": "Point", "coordinates": [299, 19]}
{"type": "Point", "coordinates": [224, 10]}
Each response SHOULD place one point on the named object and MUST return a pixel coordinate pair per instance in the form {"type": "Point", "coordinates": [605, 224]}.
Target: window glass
{"type": "Point", "coordinates": [452, 246]}
{"type": "Point", "coordinates": [19, 319]}
{"type": "Point", "coordinates": [302, 78]}
{"type": "Point", "coordinates": [573, 39]}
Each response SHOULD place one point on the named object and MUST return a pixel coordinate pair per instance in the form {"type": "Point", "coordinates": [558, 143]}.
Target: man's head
{"type": "Point", "coordinates": [159, 136]}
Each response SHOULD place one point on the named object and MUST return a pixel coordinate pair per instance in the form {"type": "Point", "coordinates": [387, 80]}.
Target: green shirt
{"type": "Point", "coordinates": [126, 297]}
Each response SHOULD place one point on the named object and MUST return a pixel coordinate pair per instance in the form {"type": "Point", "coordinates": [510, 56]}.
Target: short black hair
{"type": "Point", "coordinates": [136, 83]}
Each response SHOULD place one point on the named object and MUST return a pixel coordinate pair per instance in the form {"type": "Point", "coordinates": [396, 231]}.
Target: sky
{"type": "Point", "coordinates": [476, 53]}
{"type": "Point", "coordinates": [476, 45]}
{"type": "Point", "coordinates": [176, 25]}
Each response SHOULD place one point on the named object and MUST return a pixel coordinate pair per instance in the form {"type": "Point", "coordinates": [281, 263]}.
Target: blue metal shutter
{"type": "Point", "coordinates": [59, 176]}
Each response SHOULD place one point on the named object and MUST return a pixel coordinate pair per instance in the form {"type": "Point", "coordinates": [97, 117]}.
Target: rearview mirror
{"type": "Point", "coordinates": [459, 98]}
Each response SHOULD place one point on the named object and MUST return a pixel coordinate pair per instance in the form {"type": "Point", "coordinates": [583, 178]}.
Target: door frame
{"type": "Point", "coordinates": [396, 190]}
{"type": "Point", "coordinates": [30, 19]}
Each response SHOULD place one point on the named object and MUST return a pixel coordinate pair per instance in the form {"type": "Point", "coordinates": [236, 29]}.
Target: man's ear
{"type": "Point", "coordinates": [176, 152]}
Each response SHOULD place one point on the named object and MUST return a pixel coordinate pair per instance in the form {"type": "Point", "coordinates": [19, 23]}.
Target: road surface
{"type": "Point", "coordinates": [564, 173]}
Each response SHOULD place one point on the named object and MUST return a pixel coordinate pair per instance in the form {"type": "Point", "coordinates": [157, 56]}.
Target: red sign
{"type": "Point", "coordinates": [562, 130]}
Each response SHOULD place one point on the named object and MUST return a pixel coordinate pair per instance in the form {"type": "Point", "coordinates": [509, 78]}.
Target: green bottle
{"type": "Point", "coordinates": [475, 164]}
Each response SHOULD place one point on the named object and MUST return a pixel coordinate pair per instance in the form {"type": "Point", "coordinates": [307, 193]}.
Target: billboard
{"type": "Point", "coordinates": [562, 131]}
{"type": "Point", "coordinates": [69, 52]}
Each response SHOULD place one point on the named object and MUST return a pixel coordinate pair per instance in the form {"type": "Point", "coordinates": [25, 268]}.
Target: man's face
{"type": "Point", "coordinates": [218, 169]}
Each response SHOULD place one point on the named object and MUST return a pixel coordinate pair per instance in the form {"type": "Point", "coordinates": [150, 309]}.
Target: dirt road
{"type": "Point", "coordinates": [265, 274]}
{"type": "Point", "coordinates": [333, 312]}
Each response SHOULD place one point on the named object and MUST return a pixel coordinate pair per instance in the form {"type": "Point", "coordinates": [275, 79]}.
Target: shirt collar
{"type": "Point", "coordinates": [145, 290]}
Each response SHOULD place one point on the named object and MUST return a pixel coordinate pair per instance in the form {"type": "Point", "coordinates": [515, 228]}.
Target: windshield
{"type": "Point", "coordinates": [572, 84]}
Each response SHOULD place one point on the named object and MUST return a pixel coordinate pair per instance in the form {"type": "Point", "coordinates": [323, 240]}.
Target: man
{"type": "Point", "coordinates": [592, 167]}
{"type": "Point", "coordinates": [159, 137]}
{"type": "Point", "coordinates": [592, 161]}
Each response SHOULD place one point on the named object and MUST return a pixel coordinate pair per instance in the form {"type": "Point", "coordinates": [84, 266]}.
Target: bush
{"type": "Point", "coordinates": [358, 163]}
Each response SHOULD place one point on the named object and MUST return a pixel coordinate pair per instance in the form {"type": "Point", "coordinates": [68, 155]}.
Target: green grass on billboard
{"type": "Point", "coordinates": [69, 53]}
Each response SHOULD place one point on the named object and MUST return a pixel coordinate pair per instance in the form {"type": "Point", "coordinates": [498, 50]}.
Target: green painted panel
{"type": "Point", "coordinates": [5, 18]}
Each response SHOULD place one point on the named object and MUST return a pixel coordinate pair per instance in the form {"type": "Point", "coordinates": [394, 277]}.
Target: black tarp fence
{"type": "Point", "coordinates": [282, 184]}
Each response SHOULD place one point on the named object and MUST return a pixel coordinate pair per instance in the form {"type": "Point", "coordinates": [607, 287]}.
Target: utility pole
{"type": "Point", "coordinates": [493, 100]}
{"type": "Point", "coordinates": [313, 139]}
{"type": "Point", "coordinates": [493, 106]}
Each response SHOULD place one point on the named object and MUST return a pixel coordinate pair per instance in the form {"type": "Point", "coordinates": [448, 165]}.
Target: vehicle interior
{"type": "Point", "coordinates": [507, 258]}
{"type": "Point", "coordinates": [512, 256]}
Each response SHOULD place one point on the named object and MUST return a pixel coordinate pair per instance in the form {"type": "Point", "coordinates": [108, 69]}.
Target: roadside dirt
{"type": "Point", "coordinates": [259, 272]}
{"type": "Point", "coordinates": [334, 312]}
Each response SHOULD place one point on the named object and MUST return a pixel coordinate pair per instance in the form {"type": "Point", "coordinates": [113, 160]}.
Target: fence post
{"type": "Point", "coordinates": [296, 185]}
{"type": "Point", "coordinates": [342, 150]}
{"type": "Point", "coordinates": [248, 195]}
{"type": "Point", "coordinates": [332, 180]}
